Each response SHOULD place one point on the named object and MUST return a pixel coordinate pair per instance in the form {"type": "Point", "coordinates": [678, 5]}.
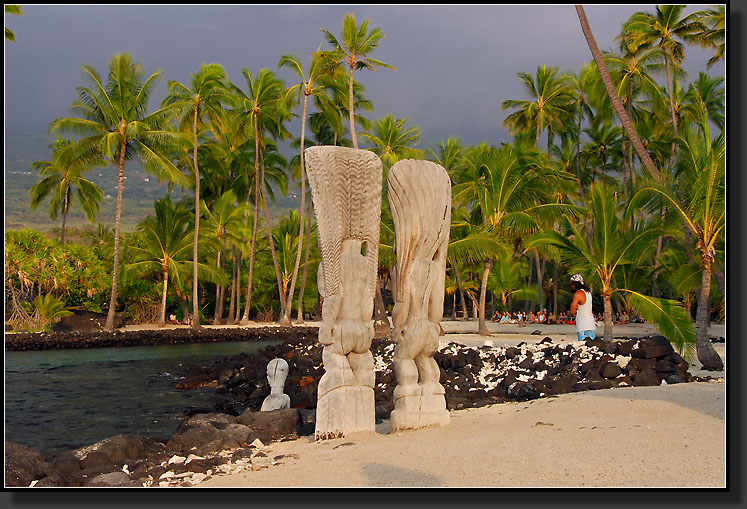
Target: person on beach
{"type": "Point", "coordinates": [531, 318]}
{"type": "Point", "coordinates": [581, 307]}
{"type": "Point", "coordinates": [505, 318]}
{"type": "Point", "coordinates": [520, 320]}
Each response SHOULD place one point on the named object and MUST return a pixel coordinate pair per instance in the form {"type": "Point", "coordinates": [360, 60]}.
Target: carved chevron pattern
{"type": "Point", "coordinates": [346, 192]}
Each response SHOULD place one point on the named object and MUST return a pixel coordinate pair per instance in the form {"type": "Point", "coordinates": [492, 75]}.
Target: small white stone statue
{"type": "Point", "coordinates": [346, 192]}
{"type": "Point", "coordinates": [277, 372]}
{"type": "Point", "coordinates": [420, 201]}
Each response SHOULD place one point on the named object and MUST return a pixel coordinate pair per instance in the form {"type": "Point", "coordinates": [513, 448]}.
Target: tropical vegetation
{"type": "Point", "coordinates": [615, 170]}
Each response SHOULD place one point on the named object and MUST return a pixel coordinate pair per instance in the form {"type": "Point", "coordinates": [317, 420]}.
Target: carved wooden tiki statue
{"type": "Point", "coordinates": [420, 201]}
{"type": "Point", "coordinates": [346, 192]}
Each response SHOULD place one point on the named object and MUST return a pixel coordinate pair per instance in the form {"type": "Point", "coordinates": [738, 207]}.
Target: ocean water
{"type": "Point", "coordinates": [58, 400]}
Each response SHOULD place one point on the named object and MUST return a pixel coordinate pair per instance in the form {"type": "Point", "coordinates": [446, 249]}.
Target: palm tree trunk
{"type": "Point", "coordinates": [162, 314]}
{"type": "Point", "coordinates": [555, 292]}
{"type": "Point", "coordinates": [578, 158]}
{"type": "Point", "coordinates": [707, 355]}
{"type": "Point", "coordinates": [604, 163]}
{"type": "Point", "coordinates": [195, 297]}
{"type": "Point", "coordinates": [578, 174]}
{"type": "Point", "coordinates": [630, 145]}
{"type": "Point", "coordinates": [465, 316]}
{"type": "Point", "coordinates": [352, 112]}
{"type": "Point", "coordinates": [655, 285]}
{"type": "Point", "coordinates": [720, 279]}
{"type": "Point", "coordinates": [299, 318]}
{"type": "Point", "coordinates": [245, 318]}
{"type": "Point", "coordinates": [109, 327]}
{"type": "Point", "coordinates": [540, 280]}
{"type": "Point", "coordinates": [281, 293]}
{"type": "Point", "coordinates": [510, 303]}
{"type": "Point", "coordinates": [607, 317]}
{"type": "Point", "coordinates": [218, 295]}
{"type": "Point", "coordinates": [232, 302]}
{"type": "Point", "coordinates": [237, 318]}
{"type": "Point", "coordinates": [64, 216]}
{"type": "Point", "coordinates": [624, 119]}
{"type": "Point", "coordinates": [475, 306]}
{"type": "Point", "coordinates": [285, 320]}
{"type": "Point", "coordinates": [529, 283]}
{"type": "Point", "coordinates": [482, 328]}
{"type": "Point", "coordinates": [671, 108]}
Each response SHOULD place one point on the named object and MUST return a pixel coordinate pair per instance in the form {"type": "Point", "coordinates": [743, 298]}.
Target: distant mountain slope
{"type": "Point", "coordinates": [141, 189]}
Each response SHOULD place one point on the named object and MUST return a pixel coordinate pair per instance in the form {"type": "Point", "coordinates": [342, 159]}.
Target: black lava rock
{"type": "Point", "coordinates": [646, 377]}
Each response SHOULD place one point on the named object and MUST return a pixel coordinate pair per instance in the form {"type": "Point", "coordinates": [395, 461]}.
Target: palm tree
{"type": "Point", "coordinates": [631, 70]}
{"type": "Point", "coordinates": [505, 281]}
{"type": "Point", "coordinates": [604, 142]}
{"type": "Point", "coordinates": [12, 9]}
{"type": "Point", "coordinates": [582, 87]}
{"type": "Point", "coordinates": [115, 125]}
{"type": "Point", "coordinates": [167, 239]}
{"type": "Point", "coordinates": [62, 178]}
{"type": "Point", "coordinates": [508, 186]}
{"type": "Point", "coordinates": [208, 90]}
{"type": "Point", "coordinates": [102, 240]}
{"type": "Point", "coordinates": [609, 86]}
{"type": "Point", "coordinates": [50, 309]}
{"type": "Point", "coordinates": [706, 96]}
{"type": "Point", "coordinates": [470, 243]}
{"type": "Point", "coordinates": [713, 34]}
{"type": "Point", "coordinates": [357, 42]}
{"type": "Point", "coordinates": [262, 107]}
{"type": "Point", "coordinates": [286, 238]}
{"type": "Point", "coordinates": [327, 126]}
{"type": "Point", "coordinates": [700, 202]}
{"type": "Point", "coordinates": [614, 245]}
{"type": "Point", "coordinates": [223, 221]}
{"type": "Point", "coordinates": [339, 106]}
{"type": "Point", "coordinates": [549, 108]}
{"type": "Point", "coordinates": [391, 140]}
{"type": "Point", "coordinates": [448, 153]}
{"type": "Point", "coordinates": [228, 157]}
{"type": "Point", "coordinates": [662, 29]}
{"type": "Point", "coordinates": [311, 85]}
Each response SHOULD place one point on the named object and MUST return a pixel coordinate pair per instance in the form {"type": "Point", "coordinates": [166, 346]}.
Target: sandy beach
{"type": "Point", "coordinates": [623, 437]}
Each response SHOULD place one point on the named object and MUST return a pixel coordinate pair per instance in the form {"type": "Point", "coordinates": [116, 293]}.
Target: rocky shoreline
{"type": "Point", "coordinates": [22, 341]}
{"type": "Point", "coordinates": [232, 434]}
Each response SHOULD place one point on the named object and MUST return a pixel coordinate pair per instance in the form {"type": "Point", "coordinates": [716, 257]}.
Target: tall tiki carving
{"type": "Point", "coordinates": [346, 192]}
{"type": "Point", "coordinates": [420, 201]}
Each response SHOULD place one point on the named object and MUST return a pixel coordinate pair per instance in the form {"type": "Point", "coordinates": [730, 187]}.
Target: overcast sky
{"type": "Point", "coordinates": [456, 64]}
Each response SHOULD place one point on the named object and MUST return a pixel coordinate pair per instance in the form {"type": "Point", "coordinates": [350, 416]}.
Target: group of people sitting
{"type": "Point", "coordinates": [524, 318]}
{"type": "Point", "coordinates": [521, 318]}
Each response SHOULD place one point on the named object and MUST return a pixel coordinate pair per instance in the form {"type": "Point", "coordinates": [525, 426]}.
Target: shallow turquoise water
{"type": "Point", "coordinates": [65, 399]}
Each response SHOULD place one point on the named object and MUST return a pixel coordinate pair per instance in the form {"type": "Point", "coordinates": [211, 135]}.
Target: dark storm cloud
{"type": "Point", "coordinates": [456, 64]}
